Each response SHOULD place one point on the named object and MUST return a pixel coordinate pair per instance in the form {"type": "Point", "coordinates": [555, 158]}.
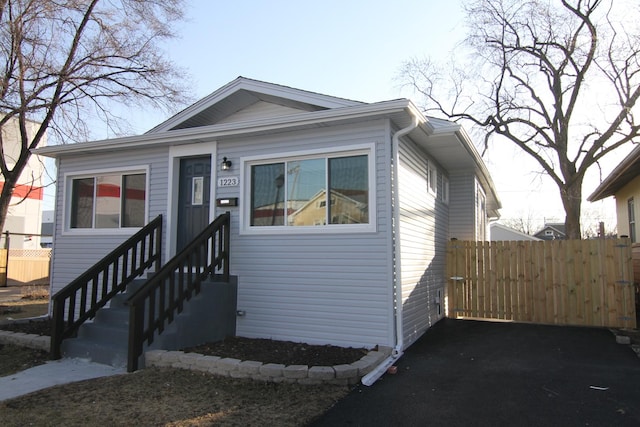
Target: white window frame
{"type": "Point", "coordinates": [631, 214]}
{"type": "Point", "coordinates": [445, 190]}
{"type": "Point", "coordinates": [432, 178]}
{"type": "Point", "coordinates": [352, 150]}
{"type": "Point", "coordinates": [69, 177]}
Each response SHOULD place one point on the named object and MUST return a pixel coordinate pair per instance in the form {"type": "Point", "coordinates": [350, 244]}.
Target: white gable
{"type": "Point", "coordinates": [246, 99]}
{"type": "Point", "coordinates": [260, 110]}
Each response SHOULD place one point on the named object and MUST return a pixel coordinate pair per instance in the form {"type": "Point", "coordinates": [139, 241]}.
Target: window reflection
{"type": "Point", "coordinates": [82, 203]}
{"type": "Point", "coordinates": [267, 195]}
{"type": "Point", "coordinates": [294, 193]}
{"type": "Point", "coordinates": [349, 188]}
{"type": "Point", "coordinates": [108, 201]}
{"type": "Point", "coordinates": [307, 192]}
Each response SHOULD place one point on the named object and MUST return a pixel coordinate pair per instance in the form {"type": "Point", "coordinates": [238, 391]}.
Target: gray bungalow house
{"type": "Point", "coordinates": [340, 211]}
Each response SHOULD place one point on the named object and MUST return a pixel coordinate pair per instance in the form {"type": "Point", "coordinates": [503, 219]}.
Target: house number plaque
{"type": "Point", "coordinates": [228, 181]}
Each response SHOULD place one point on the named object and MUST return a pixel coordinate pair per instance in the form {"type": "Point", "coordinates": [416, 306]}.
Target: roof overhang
{"type": "Point", "coordinates": [626, 171]}
{"type": "Point", "coordinates": [445, 141]}
{"type": "Point", "coordinates": [392, 109]}
{"type": "Point", "coordinates": [451, 146]}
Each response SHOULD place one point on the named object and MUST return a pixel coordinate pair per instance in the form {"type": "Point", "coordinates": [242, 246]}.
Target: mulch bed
{"type": "Point", "coordinates": [34, 327]}
{"type": "Point", "coordinates": [259, 350]}
{"type": "Point", "coordinates": [284, 352]}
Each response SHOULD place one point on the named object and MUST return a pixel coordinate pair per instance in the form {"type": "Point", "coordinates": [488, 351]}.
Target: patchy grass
{"type": "Point", "coordinates": [23, 309]}
{"type": "Point", "coordinates": [14, 358]}
{"type": "Point", "coordinates": [33, 302]}
{"type": "Point", "coordinates": [35, 292]}
{"type": "Point", "coordinates": [171, 397]}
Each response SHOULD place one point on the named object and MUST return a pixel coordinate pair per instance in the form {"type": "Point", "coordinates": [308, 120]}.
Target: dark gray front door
{"type": "Point", "coordinates": [193, 199]}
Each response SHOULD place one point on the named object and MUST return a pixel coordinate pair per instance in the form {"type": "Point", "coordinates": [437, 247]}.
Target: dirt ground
{"type": "Point", "coordinates": [171, 397]}
{"type": "Point", "coordinates": [174, 397]}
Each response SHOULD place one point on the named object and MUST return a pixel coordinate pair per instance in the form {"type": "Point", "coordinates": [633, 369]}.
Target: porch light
{"type": "Point", "coordinates": [226, 164]}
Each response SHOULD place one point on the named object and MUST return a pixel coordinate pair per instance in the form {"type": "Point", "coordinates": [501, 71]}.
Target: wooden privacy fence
{"type": "Point", "coordinates": [564, 282]}
{"type": "Point", "coordinates": [25, 266]}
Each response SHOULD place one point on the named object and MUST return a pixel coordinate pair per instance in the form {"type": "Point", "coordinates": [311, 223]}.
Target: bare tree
{"type": "Point", "coordinates": [525, 222]}
{"type": "Point", "coordinates": [64, 62]}
{"type": "Point", "coordinates": [558, 79]}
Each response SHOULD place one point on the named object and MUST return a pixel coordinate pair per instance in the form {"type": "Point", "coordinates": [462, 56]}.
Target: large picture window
{"type": "Point", "coordinates": [310, 192]}
{"type": "Point", "coordinates": [112, 200]}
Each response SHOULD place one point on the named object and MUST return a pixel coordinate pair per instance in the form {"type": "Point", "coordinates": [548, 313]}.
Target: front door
{"type": "Point", "coordinates": [193, 198]}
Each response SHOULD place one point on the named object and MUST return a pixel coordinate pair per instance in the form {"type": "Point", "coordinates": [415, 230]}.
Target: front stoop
{"type": "Point", "coordinates": [105, 339]}
{"type": "Point", "coordinates": [347, 374]}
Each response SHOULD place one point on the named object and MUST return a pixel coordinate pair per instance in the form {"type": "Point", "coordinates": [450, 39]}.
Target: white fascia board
{"type": "Point", "coordinates": [481, 169]}
{"type": "Point", "coordinates": [199, 134]}
{"type": "Point", "coordinates": [605, 186]}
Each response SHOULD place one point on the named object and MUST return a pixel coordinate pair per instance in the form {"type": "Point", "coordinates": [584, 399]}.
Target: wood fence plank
{"type": "Point", "coordinates": [610, 279]}
{"type": "Point", "coordinates": [473, 279]}
{"type": "Point", "coordinates": [624, 282]}
{"type": "Point", "coordinates": [570, 291]}
{"type": "Point", "coordinates": [466, 284]}
{"type": "Point", "coordinates": [514, 296]}
{"type": "Point", "coordinates": [563, 265]}
{"type": "Point", "coordinates": [627, 264]}
{"type": "Point", "coordinates": [460, 268]}
{"type": "Point", "coordinates": [493, 278]}
{"type": "Point", "coordinates": [537, 269]}
{"type": "Point", "coordinates": [588, 301]}
{"type": "Point", "coordinates": [450, 296]}
{"type": "Point", "coordinates": [548, 280]}
{"type": "Point", "coordinates": [580, 275]}
{"type": "Point", "coordinates": [488, 268]}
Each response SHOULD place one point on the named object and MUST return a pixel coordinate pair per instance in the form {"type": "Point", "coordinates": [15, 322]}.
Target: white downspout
{"type": "Point", "coordinates": [397, 352]}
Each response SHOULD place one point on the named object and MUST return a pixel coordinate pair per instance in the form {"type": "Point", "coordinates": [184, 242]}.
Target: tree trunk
{"type": "Point", "coordinates": [571, 195]}
{"type": "Point", "coordinates": [5, 198]}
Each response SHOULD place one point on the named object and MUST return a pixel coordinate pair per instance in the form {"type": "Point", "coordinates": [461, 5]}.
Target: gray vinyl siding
{"type": "Point", "coordinates": [423, 234]}
{"type": "Point", "coordinates": [462, 205]}
{"type": "Point", "coordinates": [334, 287]}
{"type": "Point", "coordinates": [74, 253]}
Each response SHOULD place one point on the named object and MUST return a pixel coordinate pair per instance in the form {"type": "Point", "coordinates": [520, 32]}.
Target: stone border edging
{"type": "Point", "coordinates": [347, 374]}
{"type": "Point", "coordinates": [38, 342]}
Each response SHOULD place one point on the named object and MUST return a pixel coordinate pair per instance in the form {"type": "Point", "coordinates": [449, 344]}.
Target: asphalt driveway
{"type": "Point", "coordinates": [471, 373]}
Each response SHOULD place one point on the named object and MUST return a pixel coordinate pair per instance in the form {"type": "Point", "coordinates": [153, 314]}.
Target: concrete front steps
{"type": "Point", "coordinates": [208, 316]}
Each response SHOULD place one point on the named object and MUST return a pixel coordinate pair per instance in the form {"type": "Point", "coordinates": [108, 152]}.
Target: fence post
{"type": "Point", "coordinates": [4, 262]}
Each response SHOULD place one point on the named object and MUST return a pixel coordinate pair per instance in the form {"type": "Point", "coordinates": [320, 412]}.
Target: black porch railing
{"type": "Point", "coordinates": [154, 305]}
{"type": "Point", "coordinates": [81, 299]}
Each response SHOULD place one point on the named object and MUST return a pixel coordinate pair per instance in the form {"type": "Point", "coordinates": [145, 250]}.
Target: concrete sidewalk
{"type": "Point", "coordinates": [471, 373]}
{"type": "Point", "coordinates": [53, 373]}
{"type": "Point", "coordinates": [10, 293]}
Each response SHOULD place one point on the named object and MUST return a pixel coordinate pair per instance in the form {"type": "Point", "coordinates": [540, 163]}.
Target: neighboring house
{"type": "Point", "coordinates": [552, 231]}
{"type": "Point", "coordinates": [365, 267]}
{"type": "Point", "coordinates": [500, 232]}
{"type": "Point", "coordinates": [46, 229]}
{"type": "Point", "coordinates": [25, 210]}
{"type": "Point", "coordinates": [624, 184]}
